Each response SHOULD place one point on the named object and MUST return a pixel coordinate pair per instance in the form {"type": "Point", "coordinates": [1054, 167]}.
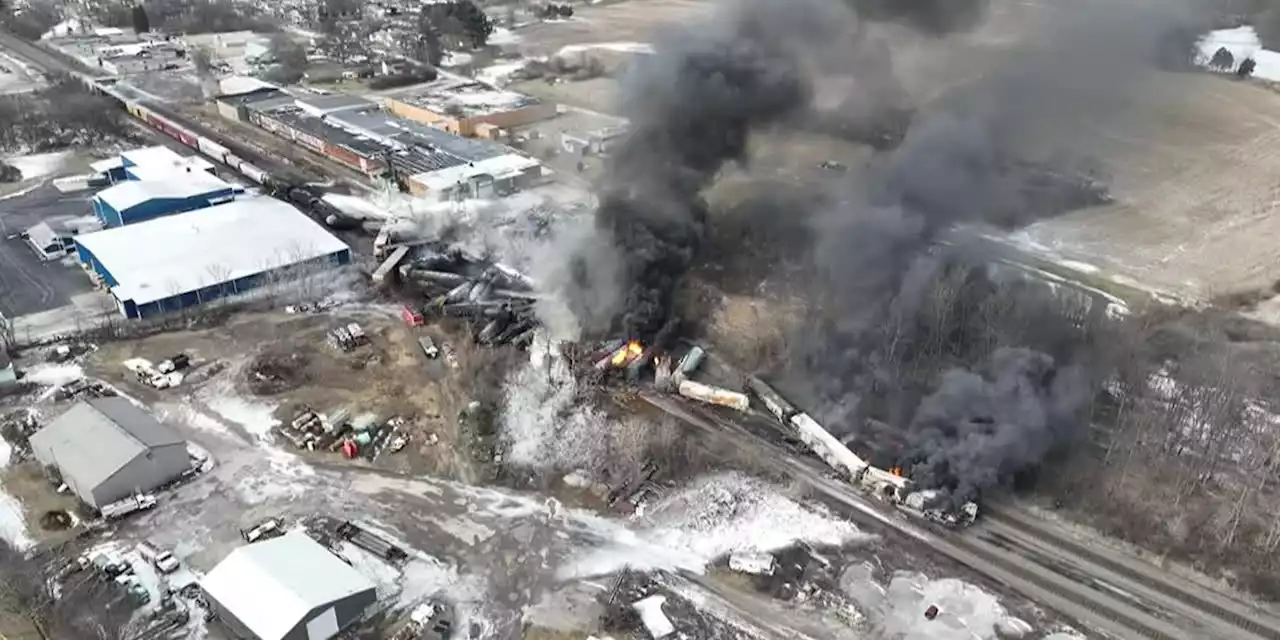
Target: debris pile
{"type": "Point", "coordinates": [165, 375]}
{"type": "Point", "coordinates": [364, 437]}
{"type": "Point", "coordinates": [275, 372]}
{"type": "Point", "coordinates": [496, 301]}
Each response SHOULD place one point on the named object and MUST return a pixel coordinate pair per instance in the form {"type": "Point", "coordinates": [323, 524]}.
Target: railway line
{"type": "Point", "coordinates": [256, 164]}
{"type": "Point", "coordinates": [1039, 564]}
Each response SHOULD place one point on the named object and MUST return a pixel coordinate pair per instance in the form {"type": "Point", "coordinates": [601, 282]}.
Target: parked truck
{"type": "Point", "coordinates": [371, 542]}
{"type": "Point", "coordinates": [131, 505]}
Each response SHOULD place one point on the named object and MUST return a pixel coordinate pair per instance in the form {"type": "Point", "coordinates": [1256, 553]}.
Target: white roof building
{"type": "Point", "coordinates": [188, 258]}
{"type": "Point", "coordinates": [160, 185]}
{"type": "Point", "coordinates": [499, 168]}
{"type": "Point", "coordinates": [155, 159]}
{"type": "Point", "coordinates": [289, 587]}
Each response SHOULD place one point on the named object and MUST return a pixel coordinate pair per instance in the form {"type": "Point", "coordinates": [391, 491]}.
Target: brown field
{"type": "Point", "coordinates": [631, 21]}
{"type": "Point", "coordinates": [1195, 192]}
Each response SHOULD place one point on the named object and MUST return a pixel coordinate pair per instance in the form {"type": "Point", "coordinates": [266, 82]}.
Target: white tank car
{"type": "Point", "coordinates": [832, 451]}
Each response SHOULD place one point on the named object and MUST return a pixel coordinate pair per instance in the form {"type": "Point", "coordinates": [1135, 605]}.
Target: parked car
{"type": "Point", "coordinates": [265, 530]}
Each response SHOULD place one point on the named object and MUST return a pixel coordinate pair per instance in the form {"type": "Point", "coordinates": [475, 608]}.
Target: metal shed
{"type": "Point", "coordinates": [289, 588]}
{"type": "Point", "coordinates": [108, 448]}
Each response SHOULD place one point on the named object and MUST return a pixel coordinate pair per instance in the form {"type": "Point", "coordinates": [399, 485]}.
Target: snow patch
{"type": "Point", "coordinates": [39, 165]}
{"type": "Point", "coordinates": [383, 575]}
{"type": "Point", "coordinates": [54, 374]}
{"type": "Point", "coordinates": [284, 480]}
{"type": "Point", "coordinates": [22, 192]}
{"type": "Point", "coordinates": [499, 74]}
{"type": "Point", "coordinates": [256, 417]}
{"type": "Point", "coordinates": [13, 524]}
{"type": "Point", "coordinates": [620, 47]}
{"type": "Point", "coordinates": [965, 611]}
{"type": "Point", "coordinates": [712, 518]}
{"type": "Point", "coordinates": [503, 35]}
{"type": "Point", "coordinates": [1243, 43]}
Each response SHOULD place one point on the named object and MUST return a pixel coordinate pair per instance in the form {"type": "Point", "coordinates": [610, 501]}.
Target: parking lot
{"type": "Point", "coordinates": [27, 284]}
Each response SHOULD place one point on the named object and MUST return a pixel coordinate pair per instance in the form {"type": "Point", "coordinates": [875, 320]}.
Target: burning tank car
{"type": "Point", "coordinates": [885, 484]}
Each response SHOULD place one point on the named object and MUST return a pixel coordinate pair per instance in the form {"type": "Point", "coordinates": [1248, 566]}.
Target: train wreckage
{"type": "Point", "coordinates": [497, 302]}
{"type": "Point", "coordinates": [889, 485]}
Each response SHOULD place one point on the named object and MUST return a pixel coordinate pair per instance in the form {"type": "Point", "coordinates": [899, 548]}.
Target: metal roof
{"type": "Point", "coordinates": [271, 586]}
{"type": "Point", "coordinates": [131, 193]}
{"type": "Point", "coordinates": [93, 440]}
{"type": "Point", "coordinates": [324, 104]}
{"type": "Point", "coordinates": [162, 257]}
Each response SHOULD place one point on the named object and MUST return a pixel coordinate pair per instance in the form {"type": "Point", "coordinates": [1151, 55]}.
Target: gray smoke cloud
{"type": "Point", "coordinates": [961, 163]}
{"type": "Point", "coordinates": [962, 159]}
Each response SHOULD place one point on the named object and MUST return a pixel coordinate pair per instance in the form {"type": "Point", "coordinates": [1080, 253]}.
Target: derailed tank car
{"type": "Point", "coordinates": [888, 485]}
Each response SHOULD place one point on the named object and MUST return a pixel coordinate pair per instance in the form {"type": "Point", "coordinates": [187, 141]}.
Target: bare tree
{"type": "Point", "coordinates": [84, 608]}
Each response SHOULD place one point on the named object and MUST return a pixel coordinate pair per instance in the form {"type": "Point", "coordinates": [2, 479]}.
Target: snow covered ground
{"type": "Point", "coordinates": [17, 77]}
{"type": "Point", "coordinates": [713, 517]}
{"type": "Point", "coordinates": [498, 74]}
{"type": "Point", "coordinates": [1243, 43]}
{"type": "Point", "coordinates": [618, 47]}
{"type": "Point", "coordinates": [40, 165]}
{"type": "Point", "coordinates": [13, 525]}
{"type": "Point", "coordinates": [896, 609]}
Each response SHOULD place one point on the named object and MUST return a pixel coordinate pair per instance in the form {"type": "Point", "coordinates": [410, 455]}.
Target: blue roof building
{"type": "Point", "coordinates": [160, 194]}
{"type": "Point", "coordinates": [174, 262]}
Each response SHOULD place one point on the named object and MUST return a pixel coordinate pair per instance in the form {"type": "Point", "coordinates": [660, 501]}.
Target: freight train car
{"type": "Point", "coordinates": [883, 484]}
{"type": "Point", "coordinates": [775, 403]}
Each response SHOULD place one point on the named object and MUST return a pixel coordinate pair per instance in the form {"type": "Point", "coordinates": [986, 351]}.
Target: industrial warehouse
{"type": "Point", "coordinates": [425, 160]}
{"type": "Point", "coordinates": [179, 261]}
{"type": "Point", "coordinates": [156, 181]}
{"type": "Point", "coordinates": [286, 588]}
{"type": "Point", "coordinates": [467, 107]}
{"type": "Point", "coordinates": [106, 449]}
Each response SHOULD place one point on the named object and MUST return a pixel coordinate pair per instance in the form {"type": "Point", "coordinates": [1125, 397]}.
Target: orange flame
{"type": "Point", "coordinates": [630, 351]}
{"type": "Point", "coordinates": [895, 470]}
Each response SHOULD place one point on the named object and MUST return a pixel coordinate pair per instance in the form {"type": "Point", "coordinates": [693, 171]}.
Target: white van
{"type": "Point", "coordinates": [162, 560]}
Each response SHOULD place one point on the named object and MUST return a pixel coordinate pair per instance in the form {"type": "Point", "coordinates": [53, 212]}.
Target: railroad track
{"type": "Point", "coordinates": [1092, 601]}
{"type": "Point", "coordinates": [1172, 590]}
{"type": "Point", "coordinates": [53, 61]}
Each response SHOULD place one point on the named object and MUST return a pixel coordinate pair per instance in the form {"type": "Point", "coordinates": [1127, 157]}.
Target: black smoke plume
{"type": "Point", "coordinates": [981, 427]}
{"type": "Point", "coordinates": [975, 156]}
{"type": "Point", "coordinates": [963, 163]}
{"type": "Point", "coordinates": [692, 107]}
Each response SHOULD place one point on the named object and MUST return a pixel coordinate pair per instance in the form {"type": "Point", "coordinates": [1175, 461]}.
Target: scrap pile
{"type": "Point", "coordinates": [495, 300]}
{"type": "Point", "coordinates": [364, 437]}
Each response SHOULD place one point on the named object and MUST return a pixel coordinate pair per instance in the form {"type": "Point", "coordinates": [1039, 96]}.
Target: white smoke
{"type": "Point", "coordinates": [543, 425]}
{"type": "Point", "coordinates": [715, 516]}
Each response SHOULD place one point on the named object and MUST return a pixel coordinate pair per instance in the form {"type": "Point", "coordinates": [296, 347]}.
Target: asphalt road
{"type": "Point", "coordinates": [1120, 596]}
{"type": "Point", "coordinates": [27, 284]}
